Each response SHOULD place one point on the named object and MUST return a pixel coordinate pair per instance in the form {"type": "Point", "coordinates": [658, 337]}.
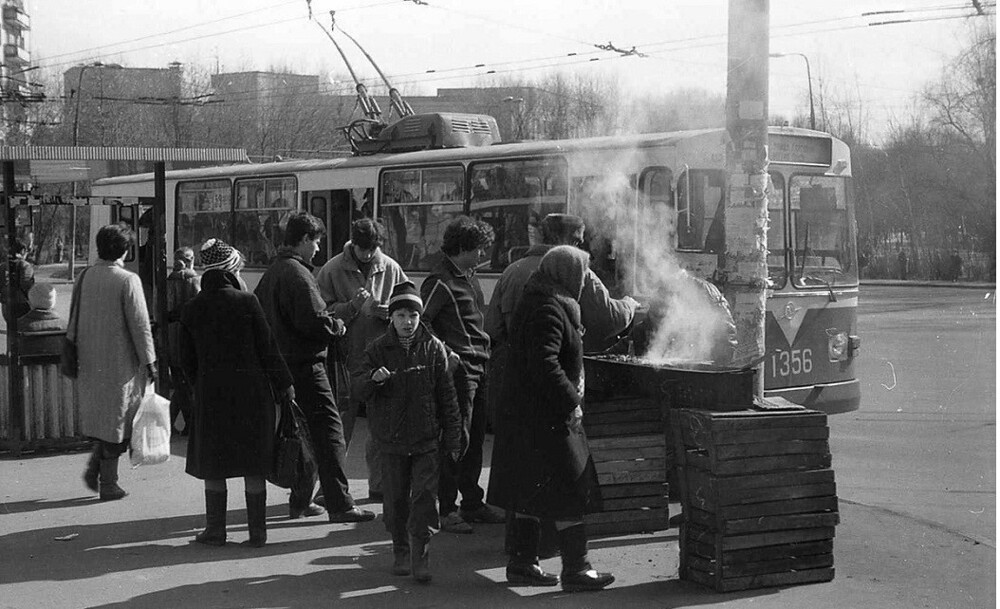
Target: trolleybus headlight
{"type": "Point", "coordinates": [837, 346]}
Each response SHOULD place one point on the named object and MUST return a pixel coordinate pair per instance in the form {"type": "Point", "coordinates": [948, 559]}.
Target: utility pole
{"type": "Point", "coordinates": [743, 262]}
{"type": "Point", "coordinates": [76, 142]}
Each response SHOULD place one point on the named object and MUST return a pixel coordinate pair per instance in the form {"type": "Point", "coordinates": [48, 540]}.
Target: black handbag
{"type": "Point", "coordinates": [293, 459]}
{"type": "Point", "coordinates": [69, 363]}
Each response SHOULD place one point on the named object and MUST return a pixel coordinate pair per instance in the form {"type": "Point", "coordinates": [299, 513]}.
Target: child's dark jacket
{"type": "Point", "coordinates": [415, 411]}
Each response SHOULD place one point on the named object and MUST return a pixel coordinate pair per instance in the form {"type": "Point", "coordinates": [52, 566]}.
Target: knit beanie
{"type": "Point", "coordinates": [42, 296]}
{"type": "Point", "coordinates": [565, 266]}
{"type": "Point", "coordinates": [405, 295]}
{"type": "Point", "coordinates": [217, 254]}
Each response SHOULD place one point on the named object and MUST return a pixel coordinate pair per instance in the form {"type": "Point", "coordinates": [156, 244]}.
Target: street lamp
{"type": "Point", "coordinates": [76, 140]}
{"type": "Point", "coordinates": [812, 109]}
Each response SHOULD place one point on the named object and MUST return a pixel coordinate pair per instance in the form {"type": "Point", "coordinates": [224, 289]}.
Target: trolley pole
{"type": "Point", "coordinates": [744, 259]}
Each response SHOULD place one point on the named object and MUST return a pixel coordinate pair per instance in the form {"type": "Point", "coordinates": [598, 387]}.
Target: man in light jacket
{"type": "Point", "coordinates": [356, 285]}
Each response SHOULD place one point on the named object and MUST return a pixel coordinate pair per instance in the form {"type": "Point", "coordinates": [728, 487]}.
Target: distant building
{"type": "Point", "coordinates": [14, 83]}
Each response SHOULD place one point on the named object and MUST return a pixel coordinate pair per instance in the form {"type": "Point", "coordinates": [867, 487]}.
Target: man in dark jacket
{"type": "Point", "coordinates": [453, 304]}
{"type": "Point", "coordinates": [183, 284]}
{"type": "Point", "coordinates": [290, 297]}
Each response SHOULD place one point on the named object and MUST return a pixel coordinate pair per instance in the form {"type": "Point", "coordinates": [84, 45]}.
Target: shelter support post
{"type": "Point", "coordinates": [16, 387]}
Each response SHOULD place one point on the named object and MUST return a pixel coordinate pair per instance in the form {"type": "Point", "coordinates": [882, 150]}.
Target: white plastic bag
{"type": "Point", "coordinates": [151, 430]}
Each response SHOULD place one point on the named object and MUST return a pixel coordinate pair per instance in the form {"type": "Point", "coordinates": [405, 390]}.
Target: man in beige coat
{"type": "Point", "coordinates": [115, 353]}
{"type": "Point", "coordinates": [356, 286]}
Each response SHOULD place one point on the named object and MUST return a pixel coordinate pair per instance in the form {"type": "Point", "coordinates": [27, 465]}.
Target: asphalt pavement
{"type": "Point", "coordinates": [61, 547]}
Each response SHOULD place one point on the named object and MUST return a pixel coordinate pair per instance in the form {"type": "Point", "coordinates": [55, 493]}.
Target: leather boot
{"type": "Point", "coordinates": [256, 519]}
{"type": "Point", "coordinates": [401, 556]}
{"type": "Point", "coordinates": [215, 519]}
{"type": "Point", "coordinates": [522, 568]}
{"type": "Point", "coordinates": [577, 573]}
{"type": "Point", "coordinates": [90, 474]}
{"type": "Point", "coordinates": [419, 549]}
{"type": "Point", "coordinates": [109, 489]}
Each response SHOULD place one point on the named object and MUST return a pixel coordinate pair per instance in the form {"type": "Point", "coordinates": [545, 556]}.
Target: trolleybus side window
{"type": "Point", "coordinates": [415, 207]}
{"type": "Point", "coordinates": [513, 197]}
{"type": "Point", "coordinates": [263, 206]}
{"type": "Point", "coordinates": [700, 225]}
{"type": "Point", "coordinates": [824, 242]}
{"type": "Point", "coordinates": [776, 245]}
{"type": "Point", "coordinates": [204, 211]}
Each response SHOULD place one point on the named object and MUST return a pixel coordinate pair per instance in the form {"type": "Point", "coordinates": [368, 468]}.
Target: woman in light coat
{"type": "Point", "coordinates": [116, 356]}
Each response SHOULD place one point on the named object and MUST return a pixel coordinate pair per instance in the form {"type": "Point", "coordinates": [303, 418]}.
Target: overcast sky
{"type": "Point", "coordinates": [883, 66]}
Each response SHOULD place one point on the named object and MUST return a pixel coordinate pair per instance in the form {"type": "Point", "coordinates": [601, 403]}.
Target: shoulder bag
{"type": "Point", "coordinates": [69, 365]}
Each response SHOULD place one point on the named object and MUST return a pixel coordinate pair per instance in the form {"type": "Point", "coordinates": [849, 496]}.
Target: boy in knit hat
{"type": "Point", "coordinates": [414, 418]}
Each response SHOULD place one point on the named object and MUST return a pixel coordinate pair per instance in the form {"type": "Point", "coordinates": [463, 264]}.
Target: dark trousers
{"type": "Point", "coordinates": [326, 435]}
{"type": "Point", "coordinates": [464, 475]}
{"type": "Point", "coordinates": [410, 488]}
{"type": "Point", "coordinates": [181, 397]}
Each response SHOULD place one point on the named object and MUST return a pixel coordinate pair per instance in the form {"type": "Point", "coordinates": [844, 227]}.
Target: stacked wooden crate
{"type": "Point", "coordinates": [758, 496]}
{"type": "Point", "coordinates": [629, 448]}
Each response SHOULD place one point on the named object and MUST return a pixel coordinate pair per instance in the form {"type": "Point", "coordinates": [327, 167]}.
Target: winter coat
{"type": "Point", "coordinates": [294, 309]}
{"type": "Point", "coordinates": [415, 411]}
{"type": "Point", "coordinates": [231, 358]}
{"type": "Point", "coordinates": [41, 320]}
{"type": "Point", "coordinates": [114, 346]}
{"type": "Point", "coordinates": [339, 280]}
{"type": "Point", "coordinates": [541, 465]}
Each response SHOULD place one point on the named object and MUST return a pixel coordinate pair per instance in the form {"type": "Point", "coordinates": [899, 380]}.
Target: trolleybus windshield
{"type": "Point", "coordinates": [822, 231]}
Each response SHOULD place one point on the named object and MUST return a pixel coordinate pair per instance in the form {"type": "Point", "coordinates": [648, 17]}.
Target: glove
{"type": "Point", "coordinates": [151, 374]}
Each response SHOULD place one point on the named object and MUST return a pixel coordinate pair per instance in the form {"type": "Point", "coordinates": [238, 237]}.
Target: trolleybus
{"type": "Point", "coordinates": [811, 331]}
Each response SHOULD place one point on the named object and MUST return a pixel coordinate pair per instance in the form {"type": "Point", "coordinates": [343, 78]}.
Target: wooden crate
{"type": "Point", "coordinates": [629, 448]}
{"type": "Point", "coordinates": [741, 562]}
{"type": "Point", "coordinates": [759, 498]}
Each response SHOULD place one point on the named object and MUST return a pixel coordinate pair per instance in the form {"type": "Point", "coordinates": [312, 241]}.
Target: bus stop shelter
{"type": "Point", "coordinates": [63, 164]}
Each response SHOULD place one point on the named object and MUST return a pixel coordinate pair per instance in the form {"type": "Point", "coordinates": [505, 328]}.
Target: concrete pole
{"type": "Point", "coordinates": [744, 259]}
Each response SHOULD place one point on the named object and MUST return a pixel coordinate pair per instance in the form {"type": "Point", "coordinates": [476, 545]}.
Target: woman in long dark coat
{"type": "Point", "coordinates": [541, 468]}
{"type": "Point", "coordinates": [231, 358]}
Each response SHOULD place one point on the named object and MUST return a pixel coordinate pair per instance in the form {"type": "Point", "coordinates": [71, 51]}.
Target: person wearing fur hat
{"type": "Point", "coordinates": [42, 317]}
{"type": "Point", "coordinates": [414, 418]}
{"type": "Point", "coordinates": [232, 360]}
{"type": "Point", "coordinates": [541, 467]}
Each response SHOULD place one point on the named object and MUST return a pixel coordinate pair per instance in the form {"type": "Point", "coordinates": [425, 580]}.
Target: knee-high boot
{"type": "Point", "coordinates": [577, 572]}
{"type": "Point", "coordinates": [522, 568]}
{"type": "Point", "coordinates": [215, 519]}
{"type": "Point", "coordinates": [257, 519]}
{"type": "Point", "coordinates": [109, 489]}
{"type": "Point", "coordinates": [90, 474]}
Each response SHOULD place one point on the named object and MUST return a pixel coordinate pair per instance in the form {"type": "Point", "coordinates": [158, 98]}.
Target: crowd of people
{"type": "Point", "coordinates": [426, 366]}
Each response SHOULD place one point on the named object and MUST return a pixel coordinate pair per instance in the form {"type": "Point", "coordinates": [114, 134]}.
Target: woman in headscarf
{"type": "Point", "coordinates": [231, 358]}
{"type": "Point", "coordinates": [541, 468]}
